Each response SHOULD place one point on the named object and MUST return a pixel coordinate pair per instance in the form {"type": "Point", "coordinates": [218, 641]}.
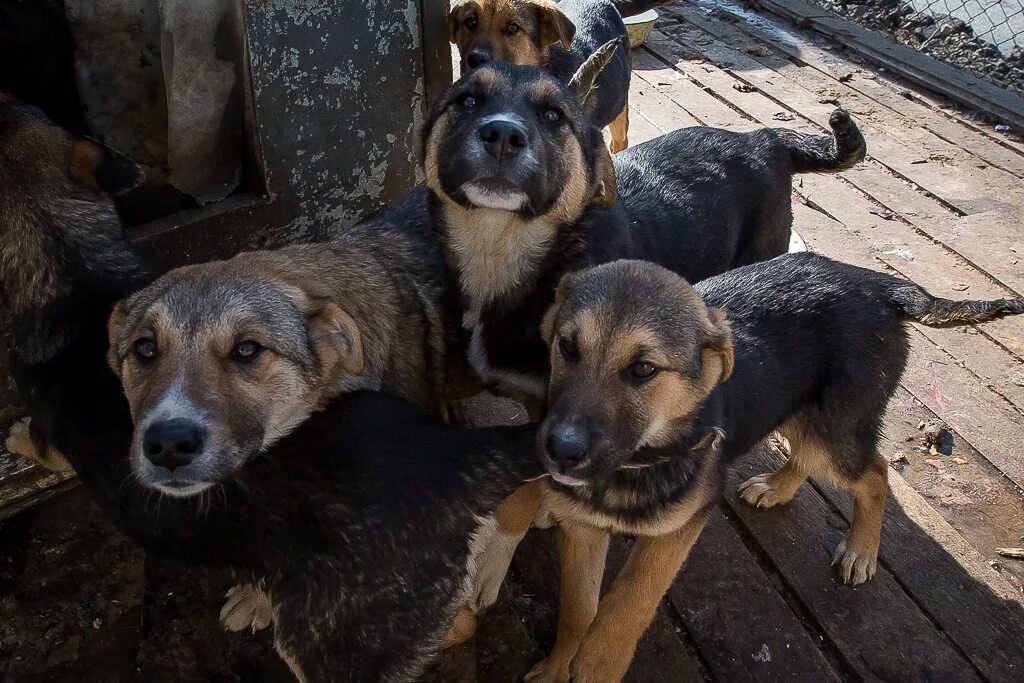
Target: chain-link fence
{"type": "Point", "coordinates": [985, 37]}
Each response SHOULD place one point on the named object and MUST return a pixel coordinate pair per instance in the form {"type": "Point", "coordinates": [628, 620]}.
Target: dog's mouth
{"type": "Point", "coordinates": [566, 480]}
{"type": "Point", "coordinates": [495, 193]}
{"type": "Point", "coordinates": [180, 488]}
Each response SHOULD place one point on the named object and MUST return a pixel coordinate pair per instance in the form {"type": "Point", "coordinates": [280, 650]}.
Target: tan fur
{"type": "Point", "coordinates": [463, 628]}
{"type": "Point", "coordinates": [540, 19]}
{"type": "Point", "coordinates": [582, 551]}
{"type": "Point", "coordinates": [19, 442]}
{"type": "Point", "coordinates": [619, 128]}
{"type": "Point", "coordinates": [857, 554]}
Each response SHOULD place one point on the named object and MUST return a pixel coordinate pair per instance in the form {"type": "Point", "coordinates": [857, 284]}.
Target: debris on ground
{"type": "Point", "coordinates": [757, 50]}
{"type": "Point", "coordinates": [898, 460]}
{"type": "Point", "coordinates": [846, 77]}
{"type": "Point", "coordinates": [743, 87]}
{"type": "Point", "coordinates": [937, 438]}
{"type": "Point", "coordinates": [885, 214]}
{"type": "Point", "coordinates": [1015, 553]}
{"type": "Point", "coordinates": [783, 116]}
{"type": "Point", "coordinates": [1000, 128]}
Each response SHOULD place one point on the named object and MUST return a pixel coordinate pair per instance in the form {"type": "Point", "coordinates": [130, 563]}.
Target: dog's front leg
{"type": "Point", "coordinates": [582, 553]}
{"type": "Point", "coordinates": [628, 608]}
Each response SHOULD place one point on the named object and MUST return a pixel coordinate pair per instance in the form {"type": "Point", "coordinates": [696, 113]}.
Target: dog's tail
{"type": "Point", "coordinates": [822, 153]}
{"type": "Point", "coordinates": [630, 8]}
{"type": "Point", "coordinates": [918, 305]}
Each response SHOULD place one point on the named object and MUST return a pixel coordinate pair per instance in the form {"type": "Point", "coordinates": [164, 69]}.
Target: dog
{"type": "Point", "coordinates": [656, 386]}
{"type": "Point", "coordinates": [558, 36]}
{"type": "Point", "coordinates": [60, 274]}
{"type": "Point", "coordinates": [523, 190]}
{"type": "Point", "coordinates": [324, 516]}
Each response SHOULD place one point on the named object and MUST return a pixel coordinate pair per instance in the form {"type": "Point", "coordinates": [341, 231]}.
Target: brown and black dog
{"type": "Point", "coordinates": [523, 190]}
{"type": "Point", "coordinates": [656, 386]}
{"type": "Point", "coordinates": [558, 36]}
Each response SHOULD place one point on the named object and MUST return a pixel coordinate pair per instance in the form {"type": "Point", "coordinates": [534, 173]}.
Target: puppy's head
{"type": "Point", "coordinates": [218, 361]}
{"type": "Point", "coordinates": [52, 183]}
{"type": "Point", "coordinates": [515, 31]}
{"type": "Point", "coordinates": [634, 354]}
{"type": "Point", "coordinates": [516, 138]}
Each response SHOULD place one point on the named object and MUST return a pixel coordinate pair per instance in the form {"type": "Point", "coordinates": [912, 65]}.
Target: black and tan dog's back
{"type": "Point", "coordinates": [656, 385]}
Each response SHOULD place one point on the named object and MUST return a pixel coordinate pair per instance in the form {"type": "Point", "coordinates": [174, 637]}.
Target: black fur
{"type": "Point", "coordinates": [698, 201]}
{"type": "Point", "coordinates": [597, 22]}
{"type": "Point", "coordinates": [358, 524]}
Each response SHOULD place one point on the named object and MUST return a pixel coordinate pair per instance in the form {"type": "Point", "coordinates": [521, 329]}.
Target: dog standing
{"type": "Point", "coordinates": [655, 385]}
{"type": "Point", "coordinates": [523, 190]}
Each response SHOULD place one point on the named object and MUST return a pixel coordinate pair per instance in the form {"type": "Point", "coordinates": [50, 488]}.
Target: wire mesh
{"type": "Point", "coordinates": [985, 37]}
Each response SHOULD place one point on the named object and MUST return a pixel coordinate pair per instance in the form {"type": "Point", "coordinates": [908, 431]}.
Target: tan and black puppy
{"type": "Point", "coordinates": [523, 190]}
{"type": "Point", "coordinates": [220, 360]}
{"type": "Point", "coordinates": [558, 36]}
{"type": "Point", "coordinates": [55, 208]}
{"type": "Point", "coordinates": [656, 384]}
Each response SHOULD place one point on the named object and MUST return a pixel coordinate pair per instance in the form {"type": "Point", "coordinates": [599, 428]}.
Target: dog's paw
{"type": "Point", "coordinates": [547, 671]}
{"type": "Point", "coordinates": [19, 442]}
{"type": "Point", "coordinates": [247, 607]}
{"type": "Point", "coordinates": [759, 492]}
{"type": "Point", "coordinates": [602, 658]}
{"type": "Point", "coordinates": [855, 566]}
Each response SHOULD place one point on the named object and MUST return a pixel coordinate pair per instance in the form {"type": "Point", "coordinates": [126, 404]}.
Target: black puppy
{"type": "Point", "coordinates": [523, 190]}
{"type": "Point", "coordinates": [361, 525]}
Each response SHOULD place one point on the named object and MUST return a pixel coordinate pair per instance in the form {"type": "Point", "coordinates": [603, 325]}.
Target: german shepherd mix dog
{"type": "Point", "coordinates": [523, 190]}
{"type": "Point", "coordinates": [558, 36]}
{"type": "Point", "coordinates": [642, 419]}
{"type": "Point", "coordinates": [322, 518]}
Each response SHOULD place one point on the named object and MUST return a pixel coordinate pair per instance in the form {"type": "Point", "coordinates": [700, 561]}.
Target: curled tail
{"type": "Point", "coordinates": [818, 153]}
{"type": "Point", "coordinates": [630, 8]}
{"type": "Point", "coordinates": [919, 305]}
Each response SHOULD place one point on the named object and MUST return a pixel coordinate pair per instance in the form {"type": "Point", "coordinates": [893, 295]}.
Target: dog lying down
{"type": "Point", "coordinates": [361, 525]}
{"type": "Point", "coordinates": [656, 385]}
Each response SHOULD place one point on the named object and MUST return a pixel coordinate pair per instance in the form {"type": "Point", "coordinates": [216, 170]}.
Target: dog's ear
{"type": "Point", "coordinates": [606, 190]}
{"type": "Point", "coordinates": [717, 355]}
{"type": "Point", "coordinates": [336, 339]}
{"type": "Point", "coordinates": [455, 16]}
{"type": "Point", "coordinates": [582, 82]}
{"type": "Point", "coordinates": [554, 25]}
{"type": "Point", "coordinates": [99, 167]}
{"type": "Point", "coordinates": [115, 332]}
{"type": "Point", "coordinates": [547, 324]}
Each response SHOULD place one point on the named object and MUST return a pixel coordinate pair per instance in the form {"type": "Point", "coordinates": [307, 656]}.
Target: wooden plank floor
{"type": "Point", "coordinates": [940, 201]}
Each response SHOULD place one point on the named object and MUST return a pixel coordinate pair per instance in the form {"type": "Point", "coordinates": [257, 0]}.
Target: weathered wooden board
{"type": "Point", "coordinates": [877, 627]}
{"type": "Point", "coordinates": [744, 628]}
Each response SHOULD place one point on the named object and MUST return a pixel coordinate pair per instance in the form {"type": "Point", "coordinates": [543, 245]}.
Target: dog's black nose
{"type": "Point", "coordinates": [502, 139]}
{"type": "Point", "coordinates": [172, 443]}
{"type": "Point", "coordinates": [567, 445]}
{"type": "Point", "coordinates": [477, 57]}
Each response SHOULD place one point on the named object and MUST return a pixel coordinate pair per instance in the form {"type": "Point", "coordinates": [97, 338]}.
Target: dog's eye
{"type": "Point", "coordinates": [512, 29]}
{"type": "Point", "coordinates": [552, 115]}
{"type": "Point", "coordinates": [643, 370]}
{"type": "Point", "coordinates": [470, 23]}
{"type": "Point", "coordinates": [569, 350]}
{"type": "Point", "coordinates": [145, 349]}
{"type": "Point", "coordinates": [245, 350]}
{"type": "Point", "coordinates": [467, 101]}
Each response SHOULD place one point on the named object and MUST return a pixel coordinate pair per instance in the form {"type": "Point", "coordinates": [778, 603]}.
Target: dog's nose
{"type": "Point", "coordinates": [477, 58]}
{"type": "Point", "coordinates": [172, 443]}
{"type": "Point", "coordinates": [567, 445]}
{"type": "Point", "coordinates": [502, 139]}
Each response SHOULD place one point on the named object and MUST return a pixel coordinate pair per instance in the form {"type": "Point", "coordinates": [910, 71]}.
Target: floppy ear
{"type": "Point", "coordinates": [554, 25]}
{"type": "Point", "coordinates": [582, 82]}
{"type": "Point", "coordinates": [454, 19]}
{"type": "Point", "coordinates": [336, 339]}
{"type": "Point", "coordinates": [606, 190]}
{"type": "Point", "coordinates": [716, 353]}
{"type": "Point", "coordinates": [547, 324]}
{"type": "Point", "coordinates": [115, 330]}
{"type": "Point", "coordinates": [101, 168]}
